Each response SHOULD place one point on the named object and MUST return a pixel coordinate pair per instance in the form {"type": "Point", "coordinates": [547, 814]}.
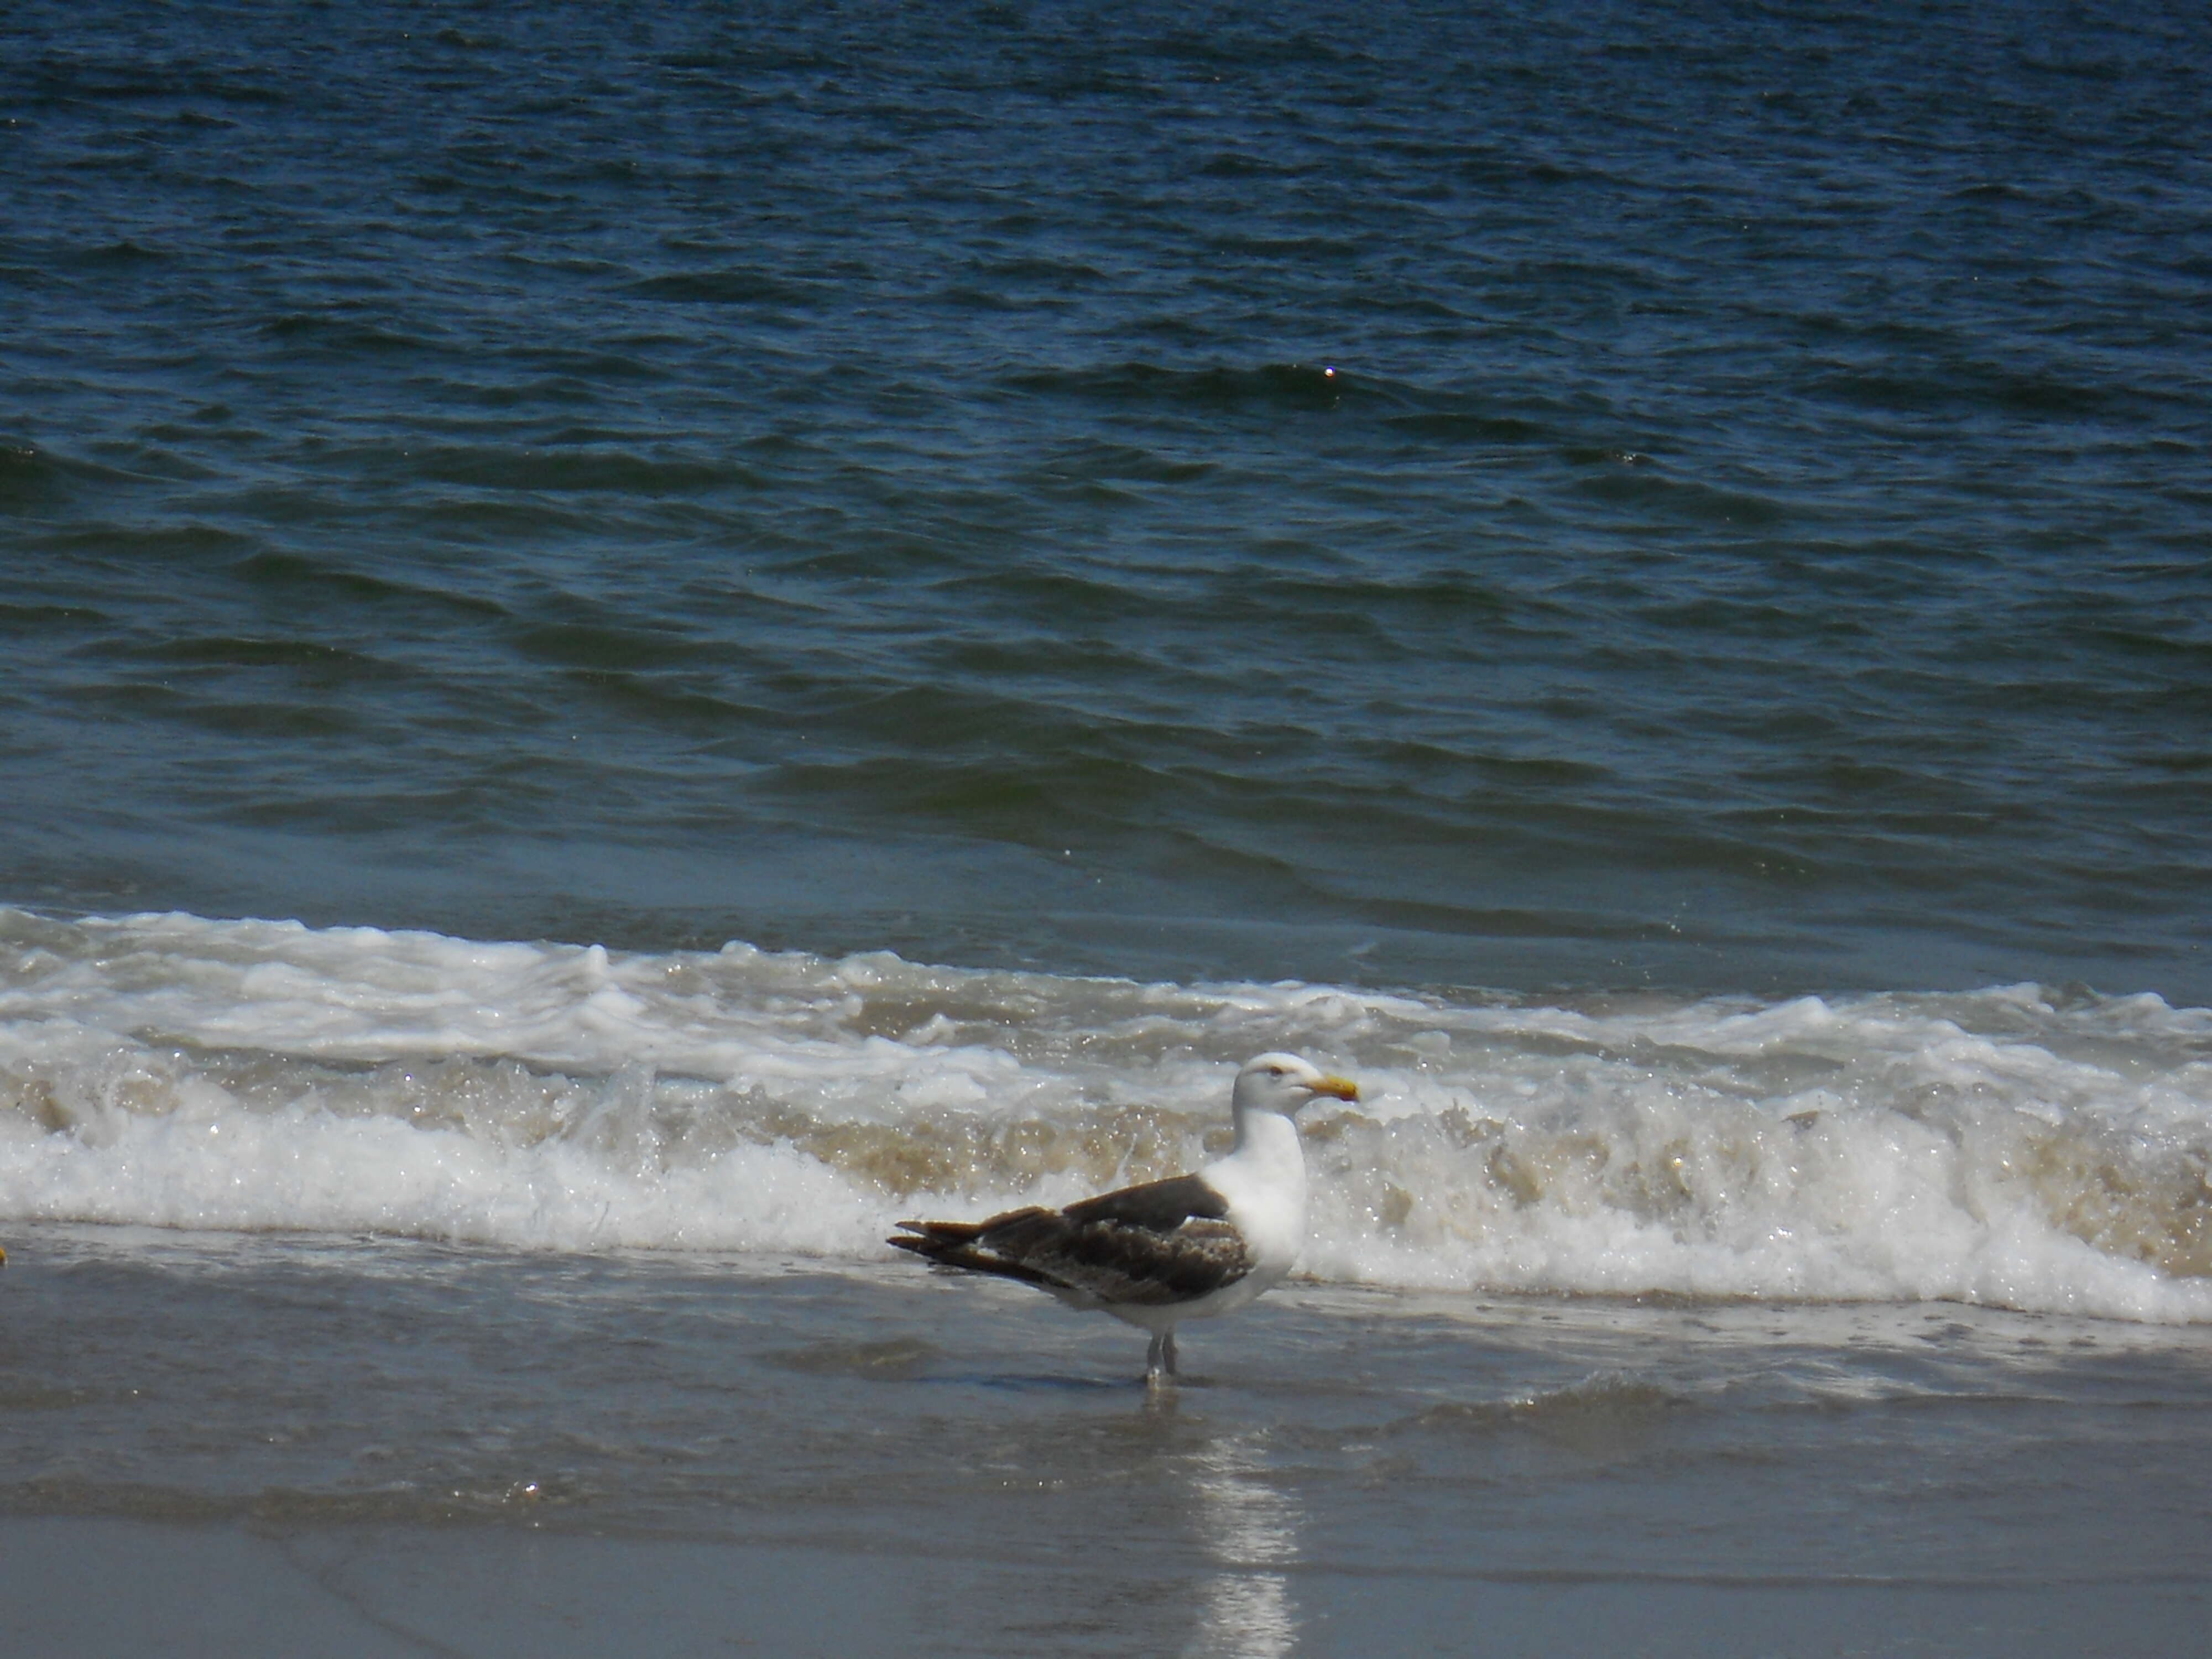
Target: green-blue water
{"type": "Point", "coordinates": [1710, 496]}
{"type": "Point", "coordinates": [1655, 556]}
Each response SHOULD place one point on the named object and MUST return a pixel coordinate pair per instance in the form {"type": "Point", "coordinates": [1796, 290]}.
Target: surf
{"type": "Point", "coordinates": [2016, 1146]}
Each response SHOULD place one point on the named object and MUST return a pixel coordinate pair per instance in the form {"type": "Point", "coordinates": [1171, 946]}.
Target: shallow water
{"type": "Point", "coordinates": [1343, 1470]}
{"type": "Point", "coordinates": [392, 1339]}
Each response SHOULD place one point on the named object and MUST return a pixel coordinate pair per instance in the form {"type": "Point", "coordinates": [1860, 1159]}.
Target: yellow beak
{"type": "Point", "coordinates": [1340, 1087]}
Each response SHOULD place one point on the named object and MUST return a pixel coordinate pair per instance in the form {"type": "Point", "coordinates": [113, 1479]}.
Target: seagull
{"type": "Point", "coordinates": [1186, 1248]}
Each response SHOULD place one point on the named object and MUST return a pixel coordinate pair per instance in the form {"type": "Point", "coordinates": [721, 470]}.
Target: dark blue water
{"type": "Point", "coordinates": [1705, 495]}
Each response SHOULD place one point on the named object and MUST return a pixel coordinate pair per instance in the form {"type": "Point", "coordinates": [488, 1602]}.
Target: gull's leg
{"type": "Point", "coordinates": [1152, 1358]}
{"type": "Point", "coordinates": [1167, 1350]}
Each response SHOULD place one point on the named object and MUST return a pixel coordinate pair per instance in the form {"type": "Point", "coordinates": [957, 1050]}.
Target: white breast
{"type": "Point", "coordinates": [1265, 1181]}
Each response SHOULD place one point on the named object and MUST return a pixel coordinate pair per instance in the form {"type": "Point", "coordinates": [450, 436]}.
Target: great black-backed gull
{"type": "Point", "coordinates": [1186, 1248]}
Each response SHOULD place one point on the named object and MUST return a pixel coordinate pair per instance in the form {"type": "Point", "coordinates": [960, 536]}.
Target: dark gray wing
{"type": "Point", "coordinates": [1152, 1246]}
{"type": "Point", "coordinates": [1158, 1207]}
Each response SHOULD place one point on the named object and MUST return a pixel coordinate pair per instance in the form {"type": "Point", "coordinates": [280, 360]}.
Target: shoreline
{"type": "Point", "coordinates": [490, 1592]}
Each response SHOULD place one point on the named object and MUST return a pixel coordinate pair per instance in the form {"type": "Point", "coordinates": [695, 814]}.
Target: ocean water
{"type": "Point", "coordinates": [637, 639]}
{"type": "Point", "coordinates": [1713, 498]}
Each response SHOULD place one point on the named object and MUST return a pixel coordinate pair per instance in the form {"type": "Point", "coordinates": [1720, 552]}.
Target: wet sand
{"type": "Point", "coordinates": [79, 1586]}
{"type": "Point", "coordinates": [213, 1444]}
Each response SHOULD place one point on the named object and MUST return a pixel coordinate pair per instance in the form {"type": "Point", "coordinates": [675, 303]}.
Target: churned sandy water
{"type": "Point", "coordinates": [2024, 1147]}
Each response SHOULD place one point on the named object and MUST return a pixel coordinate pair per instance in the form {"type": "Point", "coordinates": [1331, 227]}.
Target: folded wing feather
{"type": "Point", "coordinates": [1151, 1245]}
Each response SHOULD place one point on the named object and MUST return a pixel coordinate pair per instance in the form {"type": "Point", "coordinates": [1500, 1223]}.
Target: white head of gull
{"type": "Point", "coordinates": [1186, 1248]}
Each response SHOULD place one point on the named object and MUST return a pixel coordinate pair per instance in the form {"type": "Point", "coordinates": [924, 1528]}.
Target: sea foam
{"type": "Point", "coordinates": [2013, 1146]}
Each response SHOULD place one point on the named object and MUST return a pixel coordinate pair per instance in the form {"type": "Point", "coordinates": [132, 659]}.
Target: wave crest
{"type": "Point", "coordinates": [2014, 1146]}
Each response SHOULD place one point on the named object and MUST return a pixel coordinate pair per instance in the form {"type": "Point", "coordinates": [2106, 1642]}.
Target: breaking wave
{"type": "Point", "coordinates": [2018, 1146]}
